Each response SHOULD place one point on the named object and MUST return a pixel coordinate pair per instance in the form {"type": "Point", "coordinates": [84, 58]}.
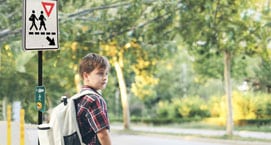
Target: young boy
{"type": "Point", "coordinates": [92, 113]}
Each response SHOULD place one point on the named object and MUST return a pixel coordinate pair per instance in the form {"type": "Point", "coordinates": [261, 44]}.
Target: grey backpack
{"type": "Point", "coordinates": [63, 127]}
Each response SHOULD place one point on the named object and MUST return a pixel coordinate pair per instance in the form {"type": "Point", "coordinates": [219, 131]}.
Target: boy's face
{"type": "Point", "coordinates": [97, 79]}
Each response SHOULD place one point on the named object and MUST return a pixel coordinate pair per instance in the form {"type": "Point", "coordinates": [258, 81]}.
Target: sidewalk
{"type": "Point", "coordinates": [199, 132]}
{"type": "Point", "coordinates": [31, 137]}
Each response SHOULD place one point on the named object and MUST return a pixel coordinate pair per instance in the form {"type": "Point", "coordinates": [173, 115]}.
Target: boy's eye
{"type": "Point", "coordinates": [102, 73]}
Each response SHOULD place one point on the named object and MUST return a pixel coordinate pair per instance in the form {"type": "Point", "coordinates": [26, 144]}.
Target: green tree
{"type": "Point", "coordinates": [10, 20]}
{"type": "Point", "coordinates": [128, 32]}
{"type": "Point", "coordinates": [216, 29]}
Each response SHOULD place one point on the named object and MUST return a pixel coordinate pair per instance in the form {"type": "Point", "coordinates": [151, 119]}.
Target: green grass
{"type": "Point", "coordinates": [202, 125]}
{"type": "Point", "coordinates": [263, 128]}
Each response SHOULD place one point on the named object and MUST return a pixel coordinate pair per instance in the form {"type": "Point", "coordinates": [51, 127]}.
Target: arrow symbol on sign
{"type": "Point", "coordinates": [51, 41]}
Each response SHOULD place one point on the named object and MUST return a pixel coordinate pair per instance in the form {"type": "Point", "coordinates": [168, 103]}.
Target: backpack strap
{"type": "Point", "coordinates": [83, 93]}
{"type": "Point", "coordinates": [78, 95]}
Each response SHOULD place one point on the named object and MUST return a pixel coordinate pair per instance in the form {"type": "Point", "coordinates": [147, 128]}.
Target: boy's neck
{"type": "Point", "coordinates": [88, 87]}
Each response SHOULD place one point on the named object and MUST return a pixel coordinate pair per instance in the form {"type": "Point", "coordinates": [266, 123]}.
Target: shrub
{"type": "Point", "coordinates": [166, 109]}
{"type": "Point", "coordinates": [193, 107]}
{"type": "Point", "coordinates": [216, 107]}
{"type": "Point", "coordinates": [247, 107]}
{"type": "Point", "coordinates": [244, 106]}
{"type": "Point", "coordinates": [188, 107]}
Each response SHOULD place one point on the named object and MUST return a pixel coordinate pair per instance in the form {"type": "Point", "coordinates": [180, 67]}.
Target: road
{"type": "Point", "coordinates": [124, 138]}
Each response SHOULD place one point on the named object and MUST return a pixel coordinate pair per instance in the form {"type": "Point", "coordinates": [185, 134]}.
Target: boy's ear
{"type": "Point", "coordinates": [85, 75]}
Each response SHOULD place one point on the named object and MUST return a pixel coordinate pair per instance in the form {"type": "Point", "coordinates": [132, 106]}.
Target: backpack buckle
{"type": "Point", "coordinates": [64, 99]}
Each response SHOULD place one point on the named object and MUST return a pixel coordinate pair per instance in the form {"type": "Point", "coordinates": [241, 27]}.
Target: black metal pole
{"type": "Point", "coordinates": [39, 81]}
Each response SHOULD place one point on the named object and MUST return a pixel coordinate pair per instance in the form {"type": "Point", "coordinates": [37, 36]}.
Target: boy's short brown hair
{"type": "Point", "coordinates": [92, 61]}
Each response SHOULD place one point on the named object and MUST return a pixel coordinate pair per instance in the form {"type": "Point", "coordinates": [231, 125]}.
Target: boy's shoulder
{"type": "Point", "coordinates": [93, 97]}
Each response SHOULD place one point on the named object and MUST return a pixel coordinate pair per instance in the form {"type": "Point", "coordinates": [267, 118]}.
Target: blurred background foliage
{"type": "Point", "coordinates": [170, 54]}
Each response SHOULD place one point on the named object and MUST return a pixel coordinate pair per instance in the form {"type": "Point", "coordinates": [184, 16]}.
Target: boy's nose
{"type": "Point", "coordinates": [105, 77]}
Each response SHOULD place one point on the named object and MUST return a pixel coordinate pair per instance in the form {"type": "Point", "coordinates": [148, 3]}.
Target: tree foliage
{"type": "Point", "coordinates": [214, 27]}
{"type": "Point", "coordinates": [140, 36]}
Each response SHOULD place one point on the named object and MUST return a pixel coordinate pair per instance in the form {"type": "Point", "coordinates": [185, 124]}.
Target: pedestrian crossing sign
{"type": "Point", "coordinates": [40, 25]}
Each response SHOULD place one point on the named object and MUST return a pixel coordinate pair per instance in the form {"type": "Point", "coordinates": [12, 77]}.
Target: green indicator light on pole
{"type": "Point", "coordinates": [40, 98]}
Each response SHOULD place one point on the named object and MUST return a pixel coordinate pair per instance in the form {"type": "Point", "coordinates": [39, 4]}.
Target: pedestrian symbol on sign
{"type": "Point", "coordinates": [33, 19]}
{"type": "Point", "coordinates": [42, 21]}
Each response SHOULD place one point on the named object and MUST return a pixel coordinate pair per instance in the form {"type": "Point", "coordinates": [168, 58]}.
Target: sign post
{"type": "Point", "coordinates": [40, 33]}
{"type": "Point", "coordinates": [40, 83]}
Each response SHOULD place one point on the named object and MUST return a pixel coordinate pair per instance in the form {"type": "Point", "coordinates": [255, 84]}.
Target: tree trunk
{"type": "Point", "coordinates": [228, 90]}
{"type": "Point", "coordinates": [123, 94]}
{"type": "Point", "coordinates": [77, 82]}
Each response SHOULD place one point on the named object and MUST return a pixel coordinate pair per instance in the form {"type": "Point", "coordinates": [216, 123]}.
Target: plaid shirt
{"type": "Point", "coordinates": [91, 117]}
